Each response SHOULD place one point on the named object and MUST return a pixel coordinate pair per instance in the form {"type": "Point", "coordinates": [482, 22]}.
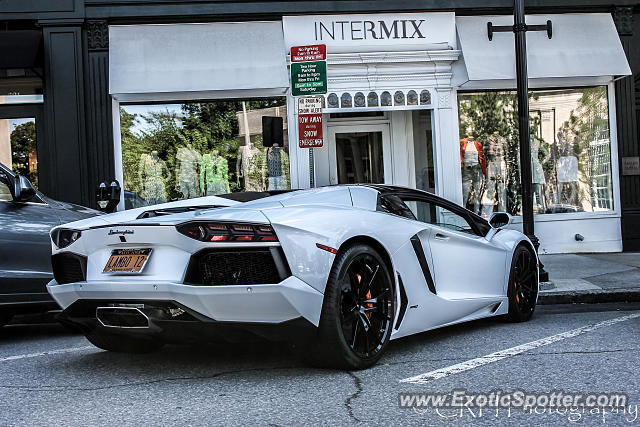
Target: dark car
{"type": "Point", "coordinates": [26, 217]}
{"type": "Point", "coordinates": [133, 201]}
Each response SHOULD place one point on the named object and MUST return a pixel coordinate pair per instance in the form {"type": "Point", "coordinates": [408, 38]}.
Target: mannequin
{"type": "Point", "coordinates": [474, 171]}
{"type": "Point", "coordinates": [221, 177]}
{"type": "Point", "coordinates": [496, 175]}
{"type": "Point", "coordinates": [251, 168]}
{"type": "Point", "coordinates": [567, 169]}
{"type": "Point", "coordinates": [214, 174]}
{"type": "Point", "coordinates": [188, 162]}
{"type": "Point", "coordinates": [277, 168]}
{"type": "Point", "coordinates": [537, 174]}
{"type": "Point", "coordinates": [152, 174]}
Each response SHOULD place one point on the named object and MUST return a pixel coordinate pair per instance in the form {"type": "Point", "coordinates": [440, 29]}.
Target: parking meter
{"type": "Point", "coordinates": [108, 195]}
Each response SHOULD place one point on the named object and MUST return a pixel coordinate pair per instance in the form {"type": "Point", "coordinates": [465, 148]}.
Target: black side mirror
{"type": "Point", "coordinates": [23, 190]}
{"type": "Point", "coordinates": [499, 219]}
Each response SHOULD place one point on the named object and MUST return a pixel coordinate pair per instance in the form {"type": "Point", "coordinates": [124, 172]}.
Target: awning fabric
{"type": "Point", "coordinates": [583, 45]}
{"type": "Point", "coordinates": [195, 61]}
{"type": "Point", "coordinates": [20, 49]}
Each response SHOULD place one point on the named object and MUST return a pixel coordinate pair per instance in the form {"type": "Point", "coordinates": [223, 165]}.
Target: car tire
{"type": "Point", "coordinates": [357, 312]}
{"type": "Point", "coordinates": [123, 343]}
{"type": "Point", "coordinates": [522, 290]}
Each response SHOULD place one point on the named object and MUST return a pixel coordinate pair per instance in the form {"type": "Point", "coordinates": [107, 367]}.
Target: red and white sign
{"type": "Point", "coordinates": [316, 52]}
{"type": "Point", "coordinates": [310, 122]}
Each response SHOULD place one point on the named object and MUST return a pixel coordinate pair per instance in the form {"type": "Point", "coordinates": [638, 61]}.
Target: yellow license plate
{"type": "Point", "coordinates": [127, 260]}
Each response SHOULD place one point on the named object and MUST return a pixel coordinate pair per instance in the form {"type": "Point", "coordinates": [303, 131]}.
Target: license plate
{"type": "Point", "coordinates": [127, 260]}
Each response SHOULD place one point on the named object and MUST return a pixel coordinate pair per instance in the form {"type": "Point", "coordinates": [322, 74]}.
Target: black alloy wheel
{"type": "Point", "coordinates": [523, 285]}
{"type": "Point", "coordinates": [357, 312]}
{"type": "Point", "coordinates": [366, 308]}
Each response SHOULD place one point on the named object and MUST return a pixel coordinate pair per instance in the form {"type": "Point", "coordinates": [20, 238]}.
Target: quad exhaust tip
{"type": "Point", "coordinates": [122, 317]}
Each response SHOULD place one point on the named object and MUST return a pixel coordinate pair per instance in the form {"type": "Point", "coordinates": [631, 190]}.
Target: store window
{"type": "Point", "coordinates": [18, 150]}
{"type": "Point", "coordinates": [181, 151]}
{"type": "Point", "coordinates": [570, 151]}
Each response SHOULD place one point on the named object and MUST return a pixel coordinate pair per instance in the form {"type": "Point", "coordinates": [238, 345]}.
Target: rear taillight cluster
{"type": "Point", "coordinates": [224, 232]}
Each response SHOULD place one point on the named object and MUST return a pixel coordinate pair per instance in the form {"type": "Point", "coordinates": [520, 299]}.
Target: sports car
{"type": "Point", "coordinates": [339, 271]}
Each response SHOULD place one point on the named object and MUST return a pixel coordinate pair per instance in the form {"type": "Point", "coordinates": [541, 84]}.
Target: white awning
{"type": "Point", "coordinates": [196, 61]}
{"type": "Point", "coordinates": [584, 46]}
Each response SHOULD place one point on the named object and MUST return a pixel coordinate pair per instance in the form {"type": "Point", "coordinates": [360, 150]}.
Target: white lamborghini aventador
{"type": "Point", "coordinates": [339, 270]}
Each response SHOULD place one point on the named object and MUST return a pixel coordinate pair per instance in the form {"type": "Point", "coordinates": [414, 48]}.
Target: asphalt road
{"type": "Point", "coordinates": [49, 376]}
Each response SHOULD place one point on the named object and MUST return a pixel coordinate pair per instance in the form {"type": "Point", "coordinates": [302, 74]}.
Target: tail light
{"type": "Point", "coordinates": [225, 232]}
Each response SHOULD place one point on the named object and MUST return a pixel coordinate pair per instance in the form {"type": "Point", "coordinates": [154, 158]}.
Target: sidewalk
{"type": "Point", "coordinates": [591, 278]}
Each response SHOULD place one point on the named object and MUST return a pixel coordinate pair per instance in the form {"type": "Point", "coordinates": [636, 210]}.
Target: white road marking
{"type": "Point", "coordinates": [46, 353]}
{"type": "Point", "coordinates": [503, 354]}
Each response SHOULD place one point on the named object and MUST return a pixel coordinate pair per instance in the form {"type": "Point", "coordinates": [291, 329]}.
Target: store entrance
{"type": "Point", "coordinates": [360, 154]}
{"type": "Point", "coordinates": [20, 129]}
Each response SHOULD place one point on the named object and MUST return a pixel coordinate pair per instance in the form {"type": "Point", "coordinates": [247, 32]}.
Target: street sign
{"type": "Point", "coordinates": [310, 105]}
{"type": "Point", "coordinates": [309, 53]}
{"type": "Point", "coordinates": [310, 122]}
{"type": "Point", "coordinates": [308, 70]}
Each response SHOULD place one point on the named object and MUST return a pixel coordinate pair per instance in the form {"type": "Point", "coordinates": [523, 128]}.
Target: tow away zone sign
{"type": "Point", "coordinates": [310, 122]}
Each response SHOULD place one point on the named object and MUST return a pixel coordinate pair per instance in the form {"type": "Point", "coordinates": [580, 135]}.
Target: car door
{"type": "Point", "coordinates": [25, 258]}
{"type": "Point", "coordinates": [465, 263]}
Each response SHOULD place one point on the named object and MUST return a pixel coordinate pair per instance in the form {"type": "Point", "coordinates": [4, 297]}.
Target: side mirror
{"type": "Point", "coordinates": [23, 190]}
{"type": "Point", "coordinates": [499, 219]}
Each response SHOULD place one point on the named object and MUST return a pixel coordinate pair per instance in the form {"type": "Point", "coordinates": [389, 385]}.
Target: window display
{"type": "Point", "coordinates": [182, 151]}
{"type": "Point", "coordinates": [570, 151]}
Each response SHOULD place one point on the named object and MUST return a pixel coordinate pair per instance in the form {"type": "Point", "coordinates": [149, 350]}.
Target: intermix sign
{"type": "Point", "coordinates": [310, 122]}
{"type": "Point", "coordinates": [308, 70]}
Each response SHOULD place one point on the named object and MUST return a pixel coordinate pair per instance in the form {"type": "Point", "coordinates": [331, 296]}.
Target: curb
{"type": "Point", "coordinates": [589, 297]}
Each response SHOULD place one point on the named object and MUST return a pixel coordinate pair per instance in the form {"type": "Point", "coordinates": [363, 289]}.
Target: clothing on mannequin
{"type": "Point", "coordinates": [152, 174]}
{"type": "Point", "coordinates": [567, 169]}
{"type": "Point", "coordinates": [214, 174]}
{"type": "Point", "coordinates": [496, 175]}
{"type": "Point", "coordinates": [187, 173]}
{"type": "Point", "coordinates": [250, 168]}
{"type": "Point", "coordinates": [537, 172]}
{"type": "Point", "coordinates": [277, 168]}
{"type": "Point", "coordinates": [474, 171]}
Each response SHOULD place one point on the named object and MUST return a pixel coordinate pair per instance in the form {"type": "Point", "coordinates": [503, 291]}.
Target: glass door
{"type": "Point", "coordinates": [360, 154]}
{"type": "Point", "coordinates": [19, 128]}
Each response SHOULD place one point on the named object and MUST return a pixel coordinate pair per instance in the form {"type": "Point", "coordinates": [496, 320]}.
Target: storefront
{"type": "Point", "coordinates": [422, 100]}
{"type": "Point", "coordinates": [428, 101]}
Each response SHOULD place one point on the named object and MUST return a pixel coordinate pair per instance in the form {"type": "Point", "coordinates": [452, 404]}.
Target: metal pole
{"type": "Point", "coordinates": [520, 30]}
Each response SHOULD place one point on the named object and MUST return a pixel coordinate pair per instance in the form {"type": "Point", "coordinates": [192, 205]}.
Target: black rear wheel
{"type": "Point", "coordinates": [357, 313]}
{"type": "Point", "coordinates": [523, 285]}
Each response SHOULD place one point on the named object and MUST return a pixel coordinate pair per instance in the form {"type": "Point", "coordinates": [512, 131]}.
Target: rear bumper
{"type": "Point", "coordinates": [262, 304]}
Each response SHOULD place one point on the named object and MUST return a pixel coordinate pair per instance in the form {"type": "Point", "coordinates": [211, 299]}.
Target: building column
{"type": "Point", "coordinates": [627, 137]}
{"type": "Point", "coordinates": [99, 140]}
{"type": "Point", "coordinates": [63, 168]}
